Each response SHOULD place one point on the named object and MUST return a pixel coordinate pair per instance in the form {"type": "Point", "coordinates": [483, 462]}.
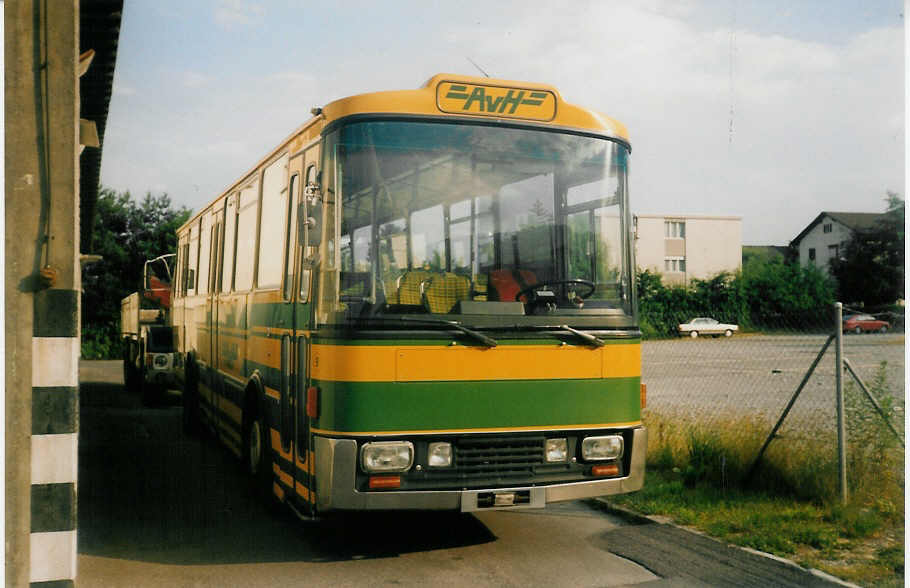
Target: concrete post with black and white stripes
{"type": "Point", "coordinates": [42, 285]}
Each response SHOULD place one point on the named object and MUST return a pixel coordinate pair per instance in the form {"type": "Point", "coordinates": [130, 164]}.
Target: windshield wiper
{"type": "Point", "coordinates": [595, 341]}
{"type": "Point", "coordinates": [488, 341]}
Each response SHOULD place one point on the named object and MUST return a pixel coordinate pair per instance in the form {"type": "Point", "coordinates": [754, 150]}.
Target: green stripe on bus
{"type": "Point", "coordinates": [358, 407]}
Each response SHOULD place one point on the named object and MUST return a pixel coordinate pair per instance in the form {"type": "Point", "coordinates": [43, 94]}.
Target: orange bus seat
{"type": "Point", "coordinates": [506, 283]}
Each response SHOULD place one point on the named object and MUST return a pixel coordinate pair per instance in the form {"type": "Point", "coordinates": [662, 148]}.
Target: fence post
{"type": "Point", "coordinates": [839, 386]}
{"type": "Point", "coordinates": [790, 404]}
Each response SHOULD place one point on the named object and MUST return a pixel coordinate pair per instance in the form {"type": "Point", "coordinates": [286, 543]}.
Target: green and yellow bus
{"type": "Point", "coordinates": [422, 299]}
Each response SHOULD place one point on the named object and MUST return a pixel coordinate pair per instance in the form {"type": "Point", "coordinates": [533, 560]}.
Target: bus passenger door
{"type": "Point", "coordinates": [305, 167]}
{"type": "Point", "coordinates": [294, 345]}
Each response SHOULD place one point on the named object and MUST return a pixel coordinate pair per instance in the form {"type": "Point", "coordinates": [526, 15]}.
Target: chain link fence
{"type": "Point", "coordinates": [723, 395]}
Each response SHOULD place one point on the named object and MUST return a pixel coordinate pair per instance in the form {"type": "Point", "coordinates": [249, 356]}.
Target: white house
{"type": "Point", "coordinates": [826, 237]}
{"type": "Point", "coordinates": [685, 246]}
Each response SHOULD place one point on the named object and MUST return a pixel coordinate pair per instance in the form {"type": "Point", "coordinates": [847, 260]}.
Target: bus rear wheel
{"type": "Point", "coordinates": [192, 422]}
{"type": "Point", "coordinates": [257, 457]}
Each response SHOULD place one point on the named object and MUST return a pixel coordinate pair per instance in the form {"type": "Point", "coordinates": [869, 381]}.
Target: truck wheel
{"type": "Point", "coordinates": [151, 393]}
{"type": "Point", "coordinates": [126, 367]}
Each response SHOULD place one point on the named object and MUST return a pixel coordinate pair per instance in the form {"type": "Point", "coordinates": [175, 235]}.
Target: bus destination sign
{"type": "Point", "coordinates": [499, 101]}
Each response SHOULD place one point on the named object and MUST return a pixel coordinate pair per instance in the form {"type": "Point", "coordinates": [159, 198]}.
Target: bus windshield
{"type": "Point", "coordinates": [465, 220]}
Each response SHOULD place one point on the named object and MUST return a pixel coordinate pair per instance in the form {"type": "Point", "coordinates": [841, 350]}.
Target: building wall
{"type": "Point", "coordinates": [649, 243]}
{"type": "Point", "coordinates": [713, 245]}
{"type": "Point", "coordinates": [823, 243]}
{"type": "Point", "coordinates": [698, 246]}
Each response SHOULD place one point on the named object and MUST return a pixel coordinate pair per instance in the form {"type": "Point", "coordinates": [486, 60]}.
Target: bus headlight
{"type": "Point", "coordinates": [439, 455]}
{"type": "Point", "coordinates": [557, 449]}
{"type": "Point", "coordinates": [387, 456]}
{"type": "Point", "coordinates": [601, 448]}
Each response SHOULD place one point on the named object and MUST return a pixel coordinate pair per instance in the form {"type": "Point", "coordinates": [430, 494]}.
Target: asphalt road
{"type": "Point", "coordinates": [159, 509]}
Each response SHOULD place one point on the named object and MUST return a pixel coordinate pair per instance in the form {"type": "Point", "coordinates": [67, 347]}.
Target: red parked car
{"type": "Point", "coordinates": [859, 323]}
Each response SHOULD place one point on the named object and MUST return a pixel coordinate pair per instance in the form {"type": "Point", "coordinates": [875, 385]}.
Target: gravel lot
{"type": "Point", "coordinates": [755, 375]}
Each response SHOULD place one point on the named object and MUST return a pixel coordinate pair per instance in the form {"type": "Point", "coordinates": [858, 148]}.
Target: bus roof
{"type": "Point", "coordinates": [450, 95]}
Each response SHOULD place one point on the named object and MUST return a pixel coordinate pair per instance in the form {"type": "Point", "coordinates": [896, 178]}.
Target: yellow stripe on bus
{"type": "Point", "coordinates": [276, 445]}
{"type": "Point", "coordinates": [264, 351]}
{"type": "Point", "coordinates": [283, 476]}
{"type": "Point", "coordinates": [352, 363]}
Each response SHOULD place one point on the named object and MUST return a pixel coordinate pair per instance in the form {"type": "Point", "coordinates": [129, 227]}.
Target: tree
{"type": "Point", "coordinates": [871, 269]}
{"type": "Point", "coordinates": [125, 234]}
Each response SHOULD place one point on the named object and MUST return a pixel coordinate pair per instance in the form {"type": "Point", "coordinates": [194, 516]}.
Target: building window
{"type": "Point", "coordinates": [675, 229]}
{"type": "Point", "coordinates": [812, 254]}
{"type": "Point", "coordinates": [827, 228]}
{"type": "Point", "coordinates": [674, 264]}
{"type": "Point", "coordinates": [833, 251]}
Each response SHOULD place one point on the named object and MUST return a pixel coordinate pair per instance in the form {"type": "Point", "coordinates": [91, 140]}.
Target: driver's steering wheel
{"type": "Point", "coordinates": [531, 289]}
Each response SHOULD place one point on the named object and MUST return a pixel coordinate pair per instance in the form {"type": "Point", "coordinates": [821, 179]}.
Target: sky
{"type": "Point", "coordinates": [771, 110]}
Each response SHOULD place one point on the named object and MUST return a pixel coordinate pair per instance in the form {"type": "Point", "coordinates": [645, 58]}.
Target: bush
{"type": "Point", "coordinates": [100, 342]}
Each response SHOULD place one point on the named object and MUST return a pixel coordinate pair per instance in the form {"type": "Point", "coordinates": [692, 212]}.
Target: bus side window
{"type": "Point", "coordinates": [230, 243]}
{"type": "Point", "coordinates": [216, 255]}
{"type": "Point", "coordinates": [205, 249]}
{"type": "Point", "coordinates": [193, 259]}
{"type": "Point", "coordinates": [184, 266]}
{"type": "Point", "coordinates": [246, 237]}
{"type": "Point", "coordinates": [274, 221]}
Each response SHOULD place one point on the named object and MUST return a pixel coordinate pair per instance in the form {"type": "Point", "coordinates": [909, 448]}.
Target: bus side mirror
{"type": "Point", "coordinates": [313, 221]}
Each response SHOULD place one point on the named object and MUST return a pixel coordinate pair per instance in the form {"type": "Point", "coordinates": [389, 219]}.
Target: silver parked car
{"type": "Point", "coordinates": [706, 326]}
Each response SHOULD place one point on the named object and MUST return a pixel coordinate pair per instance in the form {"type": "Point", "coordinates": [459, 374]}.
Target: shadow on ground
{"type": "Point", "coordinates": [149, 493]}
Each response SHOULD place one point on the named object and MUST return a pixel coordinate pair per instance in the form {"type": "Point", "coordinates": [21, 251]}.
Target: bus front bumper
{"type": "Point", "coordinates": [336, 465]}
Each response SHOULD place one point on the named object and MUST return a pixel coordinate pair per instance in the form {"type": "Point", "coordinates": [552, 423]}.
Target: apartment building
{"type": "Point", "coordinates": [686, 246]}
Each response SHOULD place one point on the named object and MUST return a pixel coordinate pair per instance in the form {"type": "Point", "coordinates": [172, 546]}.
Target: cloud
{"type": "Point", "coordinates": [723, 120]}
{"type": "Point", "coordinates": [192, 79]}
{"type": "Point", "coordinates": [236, 13]}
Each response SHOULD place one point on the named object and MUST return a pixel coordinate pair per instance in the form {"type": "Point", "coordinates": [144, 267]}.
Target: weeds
{"type": "Point", "coordinates": [720, 453]}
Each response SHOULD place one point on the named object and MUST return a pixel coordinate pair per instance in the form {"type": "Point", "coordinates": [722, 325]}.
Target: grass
{"type": "Point", "coordinates": [860, 543]}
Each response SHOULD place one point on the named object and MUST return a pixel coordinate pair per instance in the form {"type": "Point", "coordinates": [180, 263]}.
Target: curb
{"type": "Point", "coordinates": [638, 518]}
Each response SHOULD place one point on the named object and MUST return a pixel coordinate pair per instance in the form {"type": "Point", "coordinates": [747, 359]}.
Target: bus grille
{"type": "Point", "coordinates": [498, 457]}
